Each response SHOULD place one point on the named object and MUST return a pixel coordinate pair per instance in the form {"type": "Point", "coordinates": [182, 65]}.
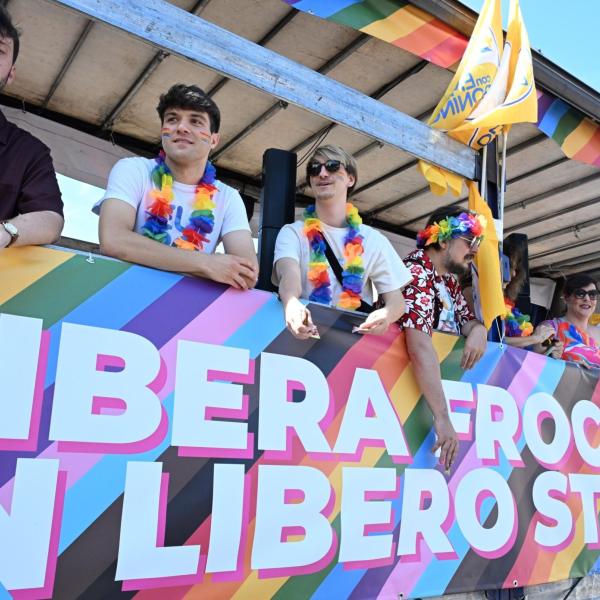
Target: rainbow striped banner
{"type": "Point", "coordinates": [408, 27]}
{"type": "Point", "coordinates": [126, 518]}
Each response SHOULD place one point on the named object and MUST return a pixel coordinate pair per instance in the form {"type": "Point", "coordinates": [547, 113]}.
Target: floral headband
{"type": "Point", "coordinates": [453, 227]}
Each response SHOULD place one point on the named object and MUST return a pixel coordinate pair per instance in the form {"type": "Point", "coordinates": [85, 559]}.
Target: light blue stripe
{"type": "Point", "coordinates": [324, 9]}
{"type": "Point", "coordinates": [441, 572]}
{"type": "Point", "coordinates": [4, 593]}
{"type": "Point", "coordinates": [113, 306]}
{"type": "Point", "coordinates": [87, 499]}
{"type": "Point", "coordinates": [552, 117]}
{"type": "Point", "coordinates": [101, 486]}
{"type": "Point", "coordinates": [259, 331]}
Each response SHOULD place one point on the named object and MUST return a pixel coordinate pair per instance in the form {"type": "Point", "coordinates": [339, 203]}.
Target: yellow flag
{"type": "Point", "coordinates": [487, 262]}
{"type": "Point", "coordinates": [471, 82]}
{"type": "Point", "coordinates": [520, 102]}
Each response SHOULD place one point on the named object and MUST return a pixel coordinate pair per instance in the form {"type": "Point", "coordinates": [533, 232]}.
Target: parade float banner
{"type": "Point", "coordinates": [402, 24]}
{"type": "Point", "coordinates": [166, 437]}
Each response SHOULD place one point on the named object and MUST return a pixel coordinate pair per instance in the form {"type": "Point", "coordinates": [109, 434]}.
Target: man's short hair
{"type": "Point", "coordinates": [441, 213]}
{"type": "Point", "coordinates": [8, 30]}
{"type": "Point", "coordinates": [190, 97]}
{"type": "Point", "coordinates": [332, 152]}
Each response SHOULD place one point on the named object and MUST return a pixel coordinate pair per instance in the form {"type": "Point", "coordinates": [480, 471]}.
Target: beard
{"type": "Point", "coordinates": [456, 268]}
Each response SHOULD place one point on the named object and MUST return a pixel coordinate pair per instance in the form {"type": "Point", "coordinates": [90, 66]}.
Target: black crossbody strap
{"type": "Point", "coordinates": [337, 271]}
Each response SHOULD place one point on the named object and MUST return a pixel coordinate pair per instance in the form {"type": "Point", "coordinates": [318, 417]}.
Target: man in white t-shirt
{"type": "Point", "coordinates": [366, 258]}
{"type": "Point", "coordinates": [170, 213]}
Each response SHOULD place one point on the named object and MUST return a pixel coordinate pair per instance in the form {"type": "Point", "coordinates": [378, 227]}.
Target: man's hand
{"type": "Point", "coordinates": [230, 269]}
{"type": "Point", "coordinates": [376, 323]}
{"type": "Point", "coordinates": [475, 346]}
{"type": "Point", "coordinates": [541, 334]}
{"type": "Point", "coordinates": [447, 440]}
{"type": "Point", "coordinates": [557, 350]}
{"type": "Point", "coordinates": [299, 321]}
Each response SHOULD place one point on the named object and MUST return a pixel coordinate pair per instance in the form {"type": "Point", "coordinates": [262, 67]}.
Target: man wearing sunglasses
{"type": "Point", "coordinates": [434, 301]}
{"type": "Point", "coordinates": [331, 258]}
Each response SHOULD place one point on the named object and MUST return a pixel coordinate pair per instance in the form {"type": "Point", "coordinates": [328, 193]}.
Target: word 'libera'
{"type": "Point", "coordinates": [107, 399]}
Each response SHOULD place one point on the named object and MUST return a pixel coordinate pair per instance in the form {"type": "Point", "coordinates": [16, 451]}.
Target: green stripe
{"type": "Point", "coordinates": [417, 427]}
{"type": "Point", "coordinates": [584, 562]}
{"type": "Point", "coordinates": [568, 122]}
{"type": "Point", "coordinates": [64, 288]}
{"type": "Point", "coordinates": [367, 12]}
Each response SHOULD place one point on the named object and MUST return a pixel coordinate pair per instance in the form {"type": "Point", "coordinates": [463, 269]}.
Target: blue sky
{"type": "Point", "coordinates": [566, 31]}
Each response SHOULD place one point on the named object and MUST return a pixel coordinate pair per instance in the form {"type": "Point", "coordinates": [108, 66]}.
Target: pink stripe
{"type": "Point", "coordinates": [406, 575]}
{"type": "Point", "coordinates": [209, 326]}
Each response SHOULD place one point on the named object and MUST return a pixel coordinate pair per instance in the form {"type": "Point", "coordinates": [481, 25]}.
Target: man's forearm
{"type": "Point", "coordinates": [394, 302]}
{"type": "Point", "coordinates": [134, 247]}
{"type": "Point", "coordinates": [36, 228]}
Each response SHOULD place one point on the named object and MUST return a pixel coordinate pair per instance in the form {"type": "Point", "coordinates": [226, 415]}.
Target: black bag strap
{"type": "Point", "coordinates": [337, 271]}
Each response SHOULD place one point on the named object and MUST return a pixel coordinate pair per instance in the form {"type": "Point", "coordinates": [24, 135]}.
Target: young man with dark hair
{"type": "Point", "coordinates": [434, 301]}
{"type": "Point", "coordinates": [364, 257]}
{"type": "Point", "coordinates": [30, 200]}
{"type": "Point", "coordinates": [171, 212]}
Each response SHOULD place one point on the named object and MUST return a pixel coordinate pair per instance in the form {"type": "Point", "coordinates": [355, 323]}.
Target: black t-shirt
{"type": "Point", "coordinates": [27, 178]}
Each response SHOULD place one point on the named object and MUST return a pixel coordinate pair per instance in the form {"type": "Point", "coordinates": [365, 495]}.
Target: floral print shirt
{"type": "Point", "coordinates": [433, 301]}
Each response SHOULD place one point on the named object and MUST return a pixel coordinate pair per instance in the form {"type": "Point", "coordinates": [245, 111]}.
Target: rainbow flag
{"type": "Point", "coordinates": [415, 31]}
{"type": "Point", "coordinates": [110, 298]}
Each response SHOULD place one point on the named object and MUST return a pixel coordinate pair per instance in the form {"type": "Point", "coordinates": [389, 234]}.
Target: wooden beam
{"type": "Point", "coordinates": [176, 31]}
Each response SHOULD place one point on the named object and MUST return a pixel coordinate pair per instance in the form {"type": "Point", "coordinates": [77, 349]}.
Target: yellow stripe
{"type": "Point", "coordinates": [404, 395]}
{"type": "Point", "coordinates": [399, 24]}
{"type": "Point", "coordinates": [579, 137]}
{"type": "Point", "coordinates": [20, 267]}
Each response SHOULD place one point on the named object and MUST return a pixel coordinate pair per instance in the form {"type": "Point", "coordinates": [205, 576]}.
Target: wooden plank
{"type": "Point", "coordinates": [177, 31]}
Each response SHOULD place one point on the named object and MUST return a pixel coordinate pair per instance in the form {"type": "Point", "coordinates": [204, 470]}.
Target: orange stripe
{"type": "Point", "coordinates": [591, 151]}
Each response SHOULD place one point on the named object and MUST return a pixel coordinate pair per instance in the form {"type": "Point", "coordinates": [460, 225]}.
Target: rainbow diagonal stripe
{"type": "Point", "coordinates": [61, 287]}
{"type": "Point", "coordinates": [408, 27]}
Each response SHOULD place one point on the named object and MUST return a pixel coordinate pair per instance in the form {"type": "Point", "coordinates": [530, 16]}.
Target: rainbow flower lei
{"type": "Point", "coordinates": [517, 324]}
{"type": "Point", "coordinates": [452, 227]}
{"type": "Point", "coordinates": [202, 219]}
{"type": "Point", "coordinates": [353, 270]}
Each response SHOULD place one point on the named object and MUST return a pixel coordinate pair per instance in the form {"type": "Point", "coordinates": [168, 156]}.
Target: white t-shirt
{"type": "Point", "coordinates": [130, 180]}
{"type": "Point", "coordinates": [383, 267]}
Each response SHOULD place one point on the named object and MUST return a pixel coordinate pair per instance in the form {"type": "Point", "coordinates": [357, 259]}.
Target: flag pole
{"type": "Point", "coordinates": [503, 184]}
{"type": "Point", "coordinates": [483, 184]}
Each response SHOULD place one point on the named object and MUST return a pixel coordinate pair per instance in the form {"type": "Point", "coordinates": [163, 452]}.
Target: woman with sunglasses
{"type": "Point", "coordinates": [581, 341]}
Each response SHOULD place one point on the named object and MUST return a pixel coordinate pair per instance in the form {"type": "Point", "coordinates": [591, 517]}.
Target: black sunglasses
{"type": "Point", "coordinates": [331, 166]}
{"type": "Point", "coordinates": [580, 293]}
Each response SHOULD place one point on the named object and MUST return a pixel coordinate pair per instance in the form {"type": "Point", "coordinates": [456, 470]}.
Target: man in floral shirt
{"type": "Point", "coordinates": [434, 301]}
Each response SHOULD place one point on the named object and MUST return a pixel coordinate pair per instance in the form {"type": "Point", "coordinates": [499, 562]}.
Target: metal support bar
{"type": "Point", "coordinates": [199, 7]}
{"type": "Point", "coordinates": [377, 95]}
{"type": "Point", "coordinates": [325, 68]}
{"type": "Point", "coordinates": [538, 170]}
{"type": "Point", "coordinates": [563, 188]}
{"type": "Point", "coordinates": [108, 121]}
{"type": "Point", "coordinates": [576, 260]}
{"type": "Point", "coordinates": [368, 148]}
{"type": "Point", "coordinates": [516, 179]}
{"type": "Point", "coordinates": [385, 176]}
{"type": "Point", "coordinates": [379, 209]}
{"type": "Point", "coordinates": [71, 56]}
{"type": "Point", "coordinates": [563, 248]}
{"type": "Point", "coordinates": [262, 42]}
{"type": "Point", "coordinates": [575, 229]}
{"type": "Point", "coordinates": [271, 112]}
{"type": "Point", "coordinates": [553, 215]}
{"type": "Point", "coordinates": [220, 50]}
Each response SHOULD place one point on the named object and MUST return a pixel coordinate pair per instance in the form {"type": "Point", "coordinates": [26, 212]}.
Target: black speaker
{"type": "Point", "coordinates": [277, 200]}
